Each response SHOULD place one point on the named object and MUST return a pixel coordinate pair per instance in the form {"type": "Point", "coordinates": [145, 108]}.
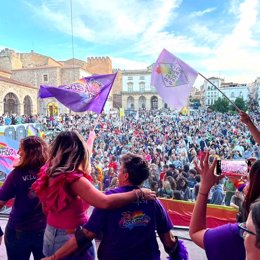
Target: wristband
{"type": "Point", "coordinates": [203, 194]}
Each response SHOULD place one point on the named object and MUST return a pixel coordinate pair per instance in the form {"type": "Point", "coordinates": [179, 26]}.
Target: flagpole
{"type": "Point", "coordinates": [236, 107]}
{"type": "Point", "coordinates": [104, 103]}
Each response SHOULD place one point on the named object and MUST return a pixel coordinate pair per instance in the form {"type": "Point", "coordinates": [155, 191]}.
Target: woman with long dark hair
{"type": "Point", "coordinates": [26, 223]}
{"type": "Point", "coordinates": [252, 190]}
{"type": "Point", "coordinates": [65, 190]}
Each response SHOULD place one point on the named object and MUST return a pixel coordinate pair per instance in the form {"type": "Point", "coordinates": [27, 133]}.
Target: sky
{"type": "Point", "coordinates": [217, 38]}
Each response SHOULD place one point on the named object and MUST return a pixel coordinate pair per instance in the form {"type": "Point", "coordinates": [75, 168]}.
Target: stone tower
{"type": "Point", "coordinates": [9, 60]}
{"type": "Point", "coordinates": [99, 65]}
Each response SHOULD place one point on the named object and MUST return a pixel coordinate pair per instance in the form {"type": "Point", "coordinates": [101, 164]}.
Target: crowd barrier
{"type": "Point", "coordinates": [17, 132]}
{"type": "Point", "coordinates": [180, 213]}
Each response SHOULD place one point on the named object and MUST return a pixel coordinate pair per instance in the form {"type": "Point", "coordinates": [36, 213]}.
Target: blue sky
{"type": "Point", "coordinates": [216, 37]}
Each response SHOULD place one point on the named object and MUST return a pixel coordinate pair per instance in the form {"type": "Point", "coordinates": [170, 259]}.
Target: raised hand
{"type": "Point", "coordinates": [206, 171]}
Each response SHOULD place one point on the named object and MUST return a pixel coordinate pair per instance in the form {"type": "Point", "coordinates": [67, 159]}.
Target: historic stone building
{"type": "Point", "coordinates": [33, 69]}
{"type": "Point", "coordinates": [16, 97]}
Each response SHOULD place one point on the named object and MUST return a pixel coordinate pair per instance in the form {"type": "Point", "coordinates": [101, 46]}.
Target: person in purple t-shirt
{"type": "Point", "coordinates": [129, 232]}
{"type": "Point", "coordinates": [224, 242]}
{"type": "Point", "coordinates": [26, 224]}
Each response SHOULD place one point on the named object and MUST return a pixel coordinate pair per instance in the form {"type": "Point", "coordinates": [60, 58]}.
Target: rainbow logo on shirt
{"type": "Point", "coordinates": [134, 219]}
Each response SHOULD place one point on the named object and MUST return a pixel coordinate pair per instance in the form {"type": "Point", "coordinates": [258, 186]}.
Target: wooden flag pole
{"type": "Point", "coordinates": [236, 107]}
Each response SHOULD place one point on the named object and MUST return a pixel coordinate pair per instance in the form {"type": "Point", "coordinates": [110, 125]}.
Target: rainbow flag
{"type": "Point", "coordinates": [32, 131]}
{"type": "Point", "coordinates": [8, 153]}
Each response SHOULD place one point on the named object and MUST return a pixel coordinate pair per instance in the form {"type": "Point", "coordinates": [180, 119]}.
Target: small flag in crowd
{"type": "Point", "coordinates": [88, 93]}
{"type": "Point", "coordinates": [137, 115]}
{"type": "Point", "coordinates": [173, 79]}
{"type": "Point", "coordinates": [8, 153]}
{"type": "Point", "coordinates": [121, 112]}
{"type": "Point", "coordinates": [33, 131]}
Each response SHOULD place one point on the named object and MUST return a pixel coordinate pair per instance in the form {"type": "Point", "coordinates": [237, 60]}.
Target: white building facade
{"type": "Point", "coordinates": [232, 90]}
{"type": "Point", "coordinates": [137, 92]}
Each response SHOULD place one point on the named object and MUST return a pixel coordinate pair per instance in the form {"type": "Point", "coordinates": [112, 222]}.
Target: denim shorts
{"type": "Point", "coordinates": [55, 238]}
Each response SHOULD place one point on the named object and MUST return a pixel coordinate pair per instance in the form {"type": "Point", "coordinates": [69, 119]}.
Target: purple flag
{"type": "Point", "coordinates": [173, 79]}
{"type": "Point", "coordinates": [88, 93]}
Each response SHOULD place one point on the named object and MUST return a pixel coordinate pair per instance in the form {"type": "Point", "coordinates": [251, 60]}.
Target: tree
{"type": "Point", "coordinates": [221, 105]}
{"type": "Point", "coordinates": [240, 103]}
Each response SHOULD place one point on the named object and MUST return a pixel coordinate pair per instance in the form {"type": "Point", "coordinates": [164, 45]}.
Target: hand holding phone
{"type": "Point", "coordinates": [231, 167]}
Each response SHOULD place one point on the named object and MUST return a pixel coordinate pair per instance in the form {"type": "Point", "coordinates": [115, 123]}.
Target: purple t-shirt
{"type": "Point", "coordinates": [129, 232]}
{"type": "Point", "coordinates": [26, 213]}
{"type": "Point", "coordinates": [224, 243]}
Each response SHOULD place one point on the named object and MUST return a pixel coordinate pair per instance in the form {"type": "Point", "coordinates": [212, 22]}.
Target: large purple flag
{"type": "Point", "coordinates": [173, 79]}
{"type": "Point", "coordinates": [88, 93]}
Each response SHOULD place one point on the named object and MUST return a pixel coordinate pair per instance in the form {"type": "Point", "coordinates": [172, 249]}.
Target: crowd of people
{"type": "Point", "coordinates": [170, 142]}
{"type": "Point", "coordinates": [171, 154]}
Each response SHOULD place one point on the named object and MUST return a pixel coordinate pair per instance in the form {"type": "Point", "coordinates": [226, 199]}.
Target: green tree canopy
{"type": "Point", "coordinates": [240, 103]}
{"type": "Point", "coordinates": [221, 105]}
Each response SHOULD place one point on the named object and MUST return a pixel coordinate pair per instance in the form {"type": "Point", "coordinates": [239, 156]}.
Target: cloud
{"type": "Point", "coordinates": [238, 53]}
{"type": "Point", "coordinates": [134, 32]}
{"type": "Point", "coordinates": [128, 64]}
{"type": "Point", "coordinates": [202, 12]}
{"type": "Point", "coordinates": [107, 20]}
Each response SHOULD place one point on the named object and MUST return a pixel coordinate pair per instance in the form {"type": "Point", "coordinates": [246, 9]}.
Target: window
{"type": "Point", "coordinates": [45, 78]}
{"type": "Point", "coordinates": [142, 86]}
{"type": "Point", "coordinates": [130, 78]}
{"type": "Point", "coordinates": [141, 78]}
{"type": "Point", "coordinates": [232, 95]}
{"type": "Point", "coordinates": [130, 87]}
{"type": "Point", "coordinates": [154, 103]}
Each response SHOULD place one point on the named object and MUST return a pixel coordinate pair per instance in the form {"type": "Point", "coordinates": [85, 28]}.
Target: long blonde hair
{"type": "Point", "coordinates": [68, 153]}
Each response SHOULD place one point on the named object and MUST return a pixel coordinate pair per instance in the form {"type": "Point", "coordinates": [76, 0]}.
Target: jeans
{"type": "Point", "coordinates": [20, 244]}
{"type": "Point", "coordinates": [55, 238]}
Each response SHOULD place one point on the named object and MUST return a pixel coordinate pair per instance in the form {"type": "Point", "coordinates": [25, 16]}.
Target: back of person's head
{"type": "Point", "coordinates": [68, 153]}
{"type": "Point", "coordinates": [186, 168]}
{"type": "Point", "coordinates": [167, 185]}
{"type": "Point", "coordinates": [172, 182]}
{"type": "Point", "coordinates": [168, 173]}
{"type": "Point", "coordinates": [33, 153]}
{"type": "Point", "coordinates": [177, 195]}
{"type": "Point", "coordinates": [182, 183]}
{"type": "Point", "coordinates": [253, 191]}
{"type": "Point", "coordinates": [172, 167]}
{"type": "Point", "coordinates": [136, 167]}
{"type": "Point", "coordinates": [197, 178]}
{"type": "Point", "coordinates": [154, 185]}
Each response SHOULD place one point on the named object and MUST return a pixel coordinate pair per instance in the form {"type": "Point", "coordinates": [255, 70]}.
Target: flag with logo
{"type": "Point", "coordinates": [173, 79]}
{"type": "Point", "coordinates": [8, 153]}
{"type": "Point", "coordinates": [88, 93]}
